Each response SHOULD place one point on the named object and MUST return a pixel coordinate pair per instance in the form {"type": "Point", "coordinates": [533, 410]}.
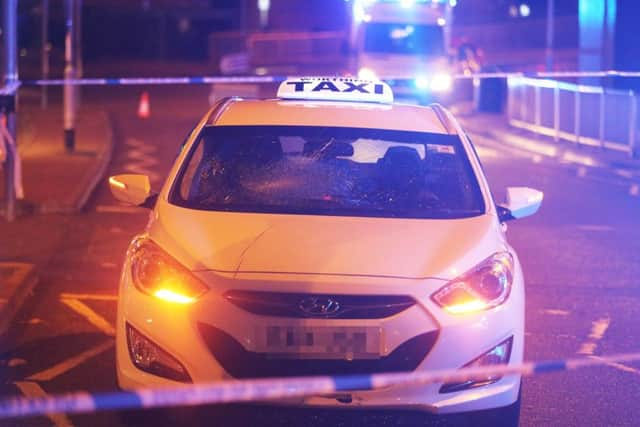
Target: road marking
{"type": "Point", "coordinates": [569, 157]}
{"type": "Point", "coordinates": [619, 366]}
{"type": "Point", "coordinates": [108, 265]}
{"type": "Point", "coordinates": [634, 190]}
{"type": "Point", "coordinates": [588, 348]}
{"type": "Point", "coordinates": [70, 363]}
{"type": "Point", "coordinates": [142, 158]}
{"type": "Point", "coordinates": [595, 227]}
{"type": "Point", "coordinates": [119, 209]}
{"type": "Point", "coordinates": [100, 297]}
{"type": "Point", "coordinates": [598, 329]}
{"type": "Point", "coordinates": [18, 271]}
{"type": "Point", "coordinates": [555, 312]}
{"type": "Point", "coordinates": [31, 389]}
{"type": "Point", "coordinates": [94, 318]}
{"type": "Point", "coordinates": [16, 362]}
{"type": "Point", "coordinates": [623, 173]}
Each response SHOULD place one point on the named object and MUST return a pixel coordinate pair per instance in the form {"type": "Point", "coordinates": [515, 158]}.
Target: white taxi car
{"type": "Point", "coordinates": [327, 231]}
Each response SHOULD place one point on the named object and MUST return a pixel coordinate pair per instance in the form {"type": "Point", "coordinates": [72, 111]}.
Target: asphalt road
{"type": "Point", "coordinates": [580, 255]}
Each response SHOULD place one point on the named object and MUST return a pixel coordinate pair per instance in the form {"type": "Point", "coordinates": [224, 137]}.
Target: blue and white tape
{"type": "Point", "coordinates": [129, 81]}
{"type": "Point", "coordinates": [10, 89]}
{"type": "Point", "coordinates": [276, 79]}
{"type": "Point", "coordinates": [278, 388]}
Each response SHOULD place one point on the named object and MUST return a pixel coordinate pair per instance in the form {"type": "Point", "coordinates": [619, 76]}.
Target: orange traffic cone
{"type": "Point", "coordinates": [144, 109]}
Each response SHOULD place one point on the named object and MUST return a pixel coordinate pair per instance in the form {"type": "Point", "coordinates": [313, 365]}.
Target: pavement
{"type": "Point", "coordinates": [493, 130]}
{"type": "Point", "coordinates": [579, 256]}
{"type": "Point", "coordinates": [55, 182]}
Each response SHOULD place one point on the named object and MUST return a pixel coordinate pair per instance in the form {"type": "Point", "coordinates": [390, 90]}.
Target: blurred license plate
{"type": "Point", "coordinates": [320, 342]}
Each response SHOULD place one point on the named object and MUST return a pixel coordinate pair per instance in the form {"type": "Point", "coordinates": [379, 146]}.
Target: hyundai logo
{"type": "Point", "coordinates": [319, 306]}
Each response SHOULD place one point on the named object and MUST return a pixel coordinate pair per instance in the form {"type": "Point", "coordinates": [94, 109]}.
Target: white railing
{"type": "Point", "coordinates": [589, 115]}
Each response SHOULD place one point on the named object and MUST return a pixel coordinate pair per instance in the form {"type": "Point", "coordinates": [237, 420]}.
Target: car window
{"type": "Point", "coordinates": [190, 171]}
{"type": "Point", "coordinates": [329, 171]}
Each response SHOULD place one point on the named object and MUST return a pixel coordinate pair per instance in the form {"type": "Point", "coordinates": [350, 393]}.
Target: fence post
{"type": "Point", "coordinates": [576, 118]}
{"type": "Point", "coordinates": [536, 101]}
{"type": "Point", "coordinates": [556, 112]}
{"type": "Point", "coordinates": [603, 97]}
{"type": "Point", "coordinates": [633, 111]}
{"type": "Point", "coordinates": [523, 90]}
{"type": "Point", "coordinates": [509, 99]}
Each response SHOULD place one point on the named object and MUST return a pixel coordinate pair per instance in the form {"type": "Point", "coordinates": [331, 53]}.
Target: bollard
{"type": "Point", "coordinates": [69, 74]}
{"type": "Point", "coordinates": [9, 174]}
{"type": "Point", "coordinates": [7, 133]}
{"type": "Point", "coordinates": [576, 118]}
{"type": "Point", "coordinates": [603, 100]}
{"type": "Point", "coordinates": [9, 77]}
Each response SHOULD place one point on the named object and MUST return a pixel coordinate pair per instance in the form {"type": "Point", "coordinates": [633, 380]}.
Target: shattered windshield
{"type": "Point", "coordinates": [328, 171]}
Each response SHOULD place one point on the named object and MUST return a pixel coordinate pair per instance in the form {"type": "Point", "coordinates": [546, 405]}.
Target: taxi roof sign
{"type": "Point", "coordinates": [335, 89]}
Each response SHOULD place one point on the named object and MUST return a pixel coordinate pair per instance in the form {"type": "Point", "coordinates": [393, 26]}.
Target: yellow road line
{"type": "Point", "coordinates": [100, 297]}
{"type": "Point", "coordinates": [556, 312]}
{"type": "Point", "coordinates": [32, 390]}
{"type": "Point", "coordinates": [70, 363]}
{"type": "Point", "coordinates": [120, 209]}
{"type": "Point", "coordinates": [93, 317]}
{"type": "Point", "coordinates": [598, 329]}
{"type": "Point", "coordinates": [619, 366]}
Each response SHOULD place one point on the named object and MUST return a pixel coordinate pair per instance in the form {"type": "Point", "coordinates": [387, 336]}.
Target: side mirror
{"type": "Point", "coordinates": [130, 189]}
{"type": "Point", "coordinates": [521, 202]}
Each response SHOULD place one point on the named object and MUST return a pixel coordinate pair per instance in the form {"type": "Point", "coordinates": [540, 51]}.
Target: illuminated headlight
{"type": "Point", "coordinates": [367, 74]}
{"type": "Point", "coordinates": [149, 357]}
{"type": "Point", "coordinates": [421, 82]}
{"type": "Point", "coordinates": [486, 286]}
{"type": "Point", "coordinates": [441, 83]}
{"type": "Point", "coordinates": [156, 273]}
{"type": "Point", "coordinates": [499, 355]}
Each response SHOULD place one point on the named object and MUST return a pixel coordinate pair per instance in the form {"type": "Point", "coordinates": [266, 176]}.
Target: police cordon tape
{"type": "Point", "coordinates": [10, 89]}
{"type": "Point", "coordinates": [129, 81]}
{"type": "Point", "coordinates": [277, 79]}
{"type": "Point", "coordinates": [264, 390]}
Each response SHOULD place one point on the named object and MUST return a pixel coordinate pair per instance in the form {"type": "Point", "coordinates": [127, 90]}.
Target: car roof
{"type": "Point", "coordinates": [278, 112]}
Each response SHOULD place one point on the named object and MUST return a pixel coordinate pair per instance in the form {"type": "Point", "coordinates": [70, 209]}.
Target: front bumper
{"type": "Point", "coordinates": [445, 341]}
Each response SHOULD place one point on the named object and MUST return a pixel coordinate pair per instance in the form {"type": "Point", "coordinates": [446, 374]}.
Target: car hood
{"type": "Point", "coordinates": [270, 243]}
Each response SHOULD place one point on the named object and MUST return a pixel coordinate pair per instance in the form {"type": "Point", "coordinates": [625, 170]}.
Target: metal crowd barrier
{"type": "Point", "coordinates": [264, 390]}
{"type": "Point", "coordinates": [583, 114]}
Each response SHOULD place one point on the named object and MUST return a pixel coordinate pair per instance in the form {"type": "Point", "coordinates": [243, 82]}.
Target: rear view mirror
{"type": "Point", "coordinates": [521, 202]}
{"type": "Point", "coordinates": [129, 188]}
